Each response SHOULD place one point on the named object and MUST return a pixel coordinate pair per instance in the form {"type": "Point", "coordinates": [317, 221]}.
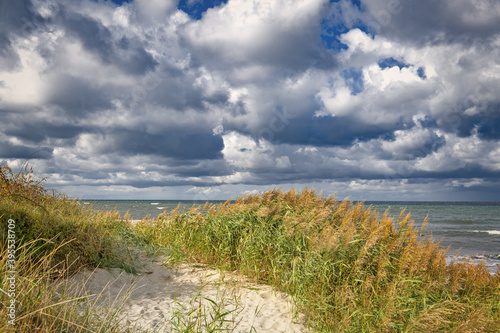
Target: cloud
{"type": "Point", "coordinates": [128, 54]}
{"type": "Point", "coordinates": [171, 143]}
{"type": "Point", "coordinates": [16, 18]}
{"type": "Point", "coordinates": [379, 99]}
{"type": "Point", "coordinates": [38, 131]}
{"type": "Point", "coordinates": [451, 21]}
{"type": "Point", "coordinates": [152, 11]}
{"type": "Point", "coordinates": [76, 96]}
{"type": "Point", "coordinates": [278, 34]}
{"type": "Point", "coordinates": [17, 151]}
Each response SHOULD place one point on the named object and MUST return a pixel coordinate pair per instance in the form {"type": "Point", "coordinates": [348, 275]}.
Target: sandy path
{"type": "Point", "coordinates": [158, 291]}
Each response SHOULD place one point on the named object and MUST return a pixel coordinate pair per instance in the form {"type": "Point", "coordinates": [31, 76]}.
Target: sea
{"type": "Point", "coordinates": [467, 229]}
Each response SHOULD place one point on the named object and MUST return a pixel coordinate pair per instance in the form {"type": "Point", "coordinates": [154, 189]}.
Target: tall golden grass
{"type": "Point", "coordinates": [55, 236]}
{"type": "Point", "coordinates": [349, 268]}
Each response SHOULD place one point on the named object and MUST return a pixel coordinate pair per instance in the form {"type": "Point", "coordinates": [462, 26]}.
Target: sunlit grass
{"type": "Point", "coordinates": [348, 267]}
{"type": "Point", "coordinates": [55, 237]}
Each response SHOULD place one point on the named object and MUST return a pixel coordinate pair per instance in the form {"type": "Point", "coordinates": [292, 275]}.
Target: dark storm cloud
{"type": "Point", "coordinates": [344, 130]}
{"type": "Point", "coordinates": [489, 128]}
{"type": "Point", "coordinates": [451, 21]}
{"type": "Point", "coordinates": [9, 59]}
{"type": "Point", "coordinates": [199, 168]}
{"type": "Point", "coordinates": [144, 184]}
{"type": "Point", "coordinates": [483, 99]}
{"type": "Point", "coordinates": [77, 96]}
{"type": "Point", "coordinates": [172, 88]}
{"type": "Point", "coordinates": [469, 170]}
{"type": "Point", "coordinates": [308, 129]}
{"type": "Point", "coordinates": [39, 131]}
{"type": "Point", "coordinates": [129, 55]}
{"type": "Point", "coordinates": [173, 143]}
{"type": "Point", "coordinates": [8, 150]}
{"type": "Point", "coordinates": [136, 60]}
{"type": "Point", "coordinates": [178, 94]}
{"type": "Point", "coordinates": [94, 36]}
{"type": "Point", "coordinates": [16, 19]}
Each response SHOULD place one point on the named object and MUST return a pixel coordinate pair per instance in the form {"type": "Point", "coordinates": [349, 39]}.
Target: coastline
{"type": "Point", "coordinates": [470, 228]}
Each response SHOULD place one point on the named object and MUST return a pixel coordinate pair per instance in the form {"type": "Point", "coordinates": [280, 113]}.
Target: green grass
{"type": "Point", "coordinates": [203, 314]}
{"type": "Point", "coordinates": [55, 237]}
{"type": "Point", "coordinates": [347, 267]}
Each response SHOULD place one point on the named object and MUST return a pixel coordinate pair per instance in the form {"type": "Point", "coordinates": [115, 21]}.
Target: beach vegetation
{"type": "Point", "coordinates": [50, 237]}
{"type": "Point", "coordinates": [348, 267]}
{"type": "Point", "coordinates": [57, 237]}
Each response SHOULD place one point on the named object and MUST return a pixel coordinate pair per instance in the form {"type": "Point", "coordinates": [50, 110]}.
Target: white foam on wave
{"type": "Point", "coordinates": [491, 261]}
{"type": "Point", "coordinates": [155, 203]}
{"type": "Point", "coordinates": [490, 232]}
{"type": "Point", "coordinates": [161, 207]}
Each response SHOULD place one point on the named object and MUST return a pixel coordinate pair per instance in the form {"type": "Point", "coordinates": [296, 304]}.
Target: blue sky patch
{"type": "Point", "coordinates": [353, 78]}
{"type": "Point", "coordinates": [196, 8]}
{"type": "Point", "coordinates": [333, 26]}
{"type": "Point", "coordinates": [391, 62]}
{"type": "Point", "coordinates": [120, 2]}
{"type": "Point", "coordinates": [356, 3]}
{"type": "Point", "coordinates": [330, 34]}
{"type": "Point", "coordinates": [421, 73]}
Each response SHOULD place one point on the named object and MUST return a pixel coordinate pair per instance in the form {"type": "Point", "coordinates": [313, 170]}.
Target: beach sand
{"type": "Point", "coordinates": [158, 292]}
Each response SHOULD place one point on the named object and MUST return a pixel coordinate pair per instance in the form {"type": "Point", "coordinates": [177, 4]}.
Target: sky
{"type": "Point", "coordinates": [205, 100]}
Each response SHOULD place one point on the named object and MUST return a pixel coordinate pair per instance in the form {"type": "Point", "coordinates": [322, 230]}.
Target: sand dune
{"type": "Point", "coordinates": [159, 292]}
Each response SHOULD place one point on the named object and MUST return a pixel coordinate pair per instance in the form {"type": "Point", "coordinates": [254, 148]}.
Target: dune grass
{"type": "Point", "coordinates": [55, 237]}
{"type": "Point", "coordinates": [52, 237]}
{"type": "Point", "coordinates": [348, 268]}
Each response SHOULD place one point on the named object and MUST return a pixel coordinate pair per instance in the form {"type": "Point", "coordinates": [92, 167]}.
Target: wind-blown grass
{"type": "Point", "coordinates": [348, 268]}
{"type": "Point", "coordinates": [55, 236]}
{"type": "Point", "coordinates": [92, 238]}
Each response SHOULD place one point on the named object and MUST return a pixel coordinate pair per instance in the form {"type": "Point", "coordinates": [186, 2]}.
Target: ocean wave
{"type": "Point", "coordinates": [487, 256]}
{"type": "Point", "coordinates": [489, 232]}
{"type": "Point", "coordinates": [491, 261]}
{"type": "Point", "coordinates": [155, 203]}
